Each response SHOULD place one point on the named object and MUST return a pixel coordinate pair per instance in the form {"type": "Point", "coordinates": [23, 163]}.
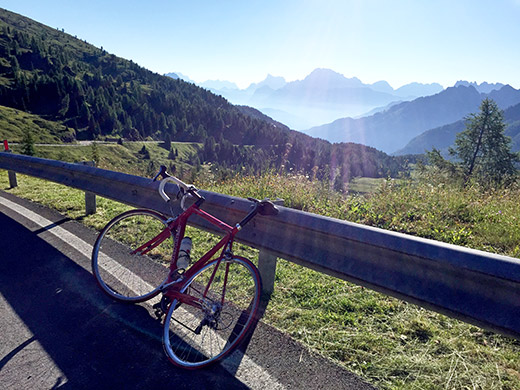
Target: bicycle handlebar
{"type": "Point", "coordinates": [263, 207]}
{"type": "Point", "coordinates": [163, 194]}
{"type": "Point", "coordinates": [166, 178]}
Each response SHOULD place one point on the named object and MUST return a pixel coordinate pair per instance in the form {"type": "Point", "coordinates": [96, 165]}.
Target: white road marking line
{"type": "Point", "coordinates": [248, 371]}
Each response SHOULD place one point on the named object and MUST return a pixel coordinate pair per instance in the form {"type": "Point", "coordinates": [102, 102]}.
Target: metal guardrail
{"type": "Point", "coordinates": [473, 286]}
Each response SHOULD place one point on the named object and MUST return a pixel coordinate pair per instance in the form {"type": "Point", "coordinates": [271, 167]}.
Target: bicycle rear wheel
{"type": "Point", "coordinates": [120, 268]}
{"type": "Point", "coordinates": [195, 337]}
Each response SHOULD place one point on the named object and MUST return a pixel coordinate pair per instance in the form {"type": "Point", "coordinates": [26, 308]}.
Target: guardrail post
{"type": "Point", "coordinates": [267, 264]}
{"type": "Point", "coordinates": [12, 175]}
{"type": "Point", "coordinates": [267, 268]}
{"type": "Point", "coordinates": [13, 182]}
{"type": "Point", "coordinates": [90, 197]}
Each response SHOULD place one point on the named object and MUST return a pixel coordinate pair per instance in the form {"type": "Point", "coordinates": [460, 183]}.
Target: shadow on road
{"type": "Point", "coordinates": [94, 342]}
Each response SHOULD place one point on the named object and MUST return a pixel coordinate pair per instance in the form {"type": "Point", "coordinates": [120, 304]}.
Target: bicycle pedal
{"type": "Point", "coordinates": [158, 313]}
{"type": "Point", "coordinates": [158, 310]}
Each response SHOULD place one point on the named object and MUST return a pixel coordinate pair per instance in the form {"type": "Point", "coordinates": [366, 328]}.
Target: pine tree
{"type": "Point", "coordinates": [339, 180]}
{"type": "Point", "coordinates": [144, 153]}
{"type": "Point", "coordinates": [167, 143]}
{"type": "Point", "coordinates": [94, 153]}
{"type": "Point", "coordinates": [483, 149]}
{"type": "Point", "coordinates": [28, 143]}
{"type": "Point", "coordinates": [64, 105]}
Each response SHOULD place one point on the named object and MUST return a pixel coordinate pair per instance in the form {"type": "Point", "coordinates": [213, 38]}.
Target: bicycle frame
{"type": "Point", "coordinates": [220, 293]}
{"type": "Point", "coordinates": [172, 286]}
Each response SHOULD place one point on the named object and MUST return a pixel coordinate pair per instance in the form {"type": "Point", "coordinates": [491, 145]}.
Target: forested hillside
{"type": "Point", "coordinates": [49, 73]}
{"type": "Point", "coordinates": [443, 137]}
{"type": "Point", "coordinates": [391, 129]}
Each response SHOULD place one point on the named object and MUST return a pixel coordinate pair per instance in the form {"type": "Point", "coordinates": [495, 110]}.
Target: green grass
{"type": "Point", "coordinates": [121, 158]}
{"type": "Point", "coordinates": [13, 123]}
{"type": "Point", "coordinates": [392, 344]}
{"type": "Point", "coordinates": [365, 185]}
{"type": "Point", "coordinates": [389, 342]}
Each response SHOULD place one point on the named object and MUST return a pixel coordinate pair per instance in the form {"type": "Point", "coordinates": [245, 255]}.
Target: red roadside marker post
{"type": "Point", "coordinates": [12, 175]}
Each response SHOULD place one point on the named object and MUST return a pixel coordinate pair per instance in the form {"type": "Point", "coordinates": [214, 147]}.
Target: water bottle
{"type": "Point", "coordinates": [183, 261]}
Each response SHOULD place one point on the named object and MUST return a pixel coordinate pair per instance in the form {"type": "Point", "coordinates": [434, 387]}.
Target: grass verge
{"type": "Point", "coordinates": [392, 344]}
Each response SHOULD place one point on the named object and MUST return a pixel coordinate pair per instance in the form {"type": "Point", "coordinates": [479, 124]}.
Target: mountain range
{"type": "Point", "coordinates": [374, 114]}
{"type": "Point", "coordinates": [89, 93]}
{"type": "Point", "coordinates": [443, 137]}
{"type": "Point", "coordinates": [321, 97]}
{"type": "Point", "coordinates": [392, 129]}
{"type": "Point", "coordinates": [94, 94]}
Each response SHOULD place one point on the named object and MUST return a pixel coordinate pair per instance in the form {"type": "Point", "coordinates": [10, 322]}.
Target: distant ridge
{"type": "Point", "coordinates": [443, 137]}
{"type": "Point", "coordinates": [392, 129]}
{"type": "Point", "coordinates": [322, 96]}
{"type": "Point", "coordinates": [482, 87]}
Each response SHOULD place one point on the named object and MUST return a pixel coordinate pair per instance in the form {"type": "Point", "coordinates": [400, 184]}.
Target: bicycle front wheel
{"type": "Point", "coordinates": [119, 265]}
{"type": "Point", "coordinates": [195, 337]}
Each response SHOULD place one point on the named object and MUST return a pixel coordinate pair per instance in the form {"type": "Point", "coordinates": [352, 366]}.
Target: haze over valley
{"type": "Point", "coordinates": [328, 105]}
{"type": "Point", "coordinates": [321, 97]}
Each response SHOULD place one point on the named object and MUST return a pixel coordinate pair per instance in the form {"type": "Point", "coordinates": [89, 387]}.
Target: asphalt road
{"type": "Point", "coordinates": [58, 330]}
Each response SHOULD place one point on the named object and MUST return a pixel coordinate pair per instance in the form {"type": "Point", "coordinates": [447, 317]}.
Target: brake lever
{"type": "Point", "coordinates": [267, 207]}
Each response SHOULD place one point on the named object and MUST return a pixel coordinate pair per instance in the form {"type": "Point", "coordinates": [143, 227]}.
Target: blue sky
{"type": "Point", "coordinates": [399, 41]}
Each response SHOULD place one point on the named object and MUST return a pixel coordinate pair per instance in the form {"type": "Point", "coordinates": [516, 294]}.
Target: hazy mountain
{"type": "Point", "coordinates": [218, 85]}
{"type": "Point", "coordinates": [505, 97]}
{"type": "Point", "coordinates": [512, 117]}
{"type": "Point", "coordinates": [382, 86]}
{"type": "Point", "coordinates": [418, 90]}
{"type": "Point", "coordinates": [482, 88]}
{"type": "Point", "coordinates": [392, 129]}
{"type": "Point", "coordinates": [321, 97]}
{"type": "Point", "coordinates": [224, 87]}
{"type": "Point", "coordinates": [231, 92]}
{"type": "Point", "coordinates": [324, 86]}
{"type": "Point", "coordinates": [379, 109]}
{"type": "Point", "coordinates": [443, 137]}
{"type": "Point", "coordinates": [440, 137]}
{"type": "Point", "coordinates": [285, 117]}
{"type": "Point", "coordinates": [272, 82]}
{"type": "Point", "coordinates": [178, 75]}
{"type": "Point", "coordinates": [327, 79]}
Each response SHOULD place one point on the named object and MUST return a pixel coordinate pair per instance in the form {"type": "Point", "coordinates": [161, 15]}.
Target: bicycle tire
{"type": "Point", "coordinates": [121, 273]}
{"type": "Point", "coordinates": [227, 324]}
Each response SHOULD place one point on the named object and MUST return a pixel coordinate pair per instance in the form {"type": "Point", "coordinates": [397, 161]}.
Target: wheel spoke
{"type": "Point", "coordinates": [121, 270]}
{"type": "Point", "coordinates": [224, 322]}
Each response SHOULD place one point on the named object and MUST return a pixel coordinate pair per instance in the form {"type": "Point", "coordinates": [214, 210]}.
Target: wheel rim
{"type": "Point", "coordinates": [123, 274]}
{"type": "Point", "coordinates": [222, 326]}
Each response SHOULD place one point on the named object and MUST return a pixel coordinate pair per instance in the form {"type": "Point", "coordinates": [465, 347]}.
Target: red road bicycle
{"type": "Point", "coordinates": [211, 305]}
